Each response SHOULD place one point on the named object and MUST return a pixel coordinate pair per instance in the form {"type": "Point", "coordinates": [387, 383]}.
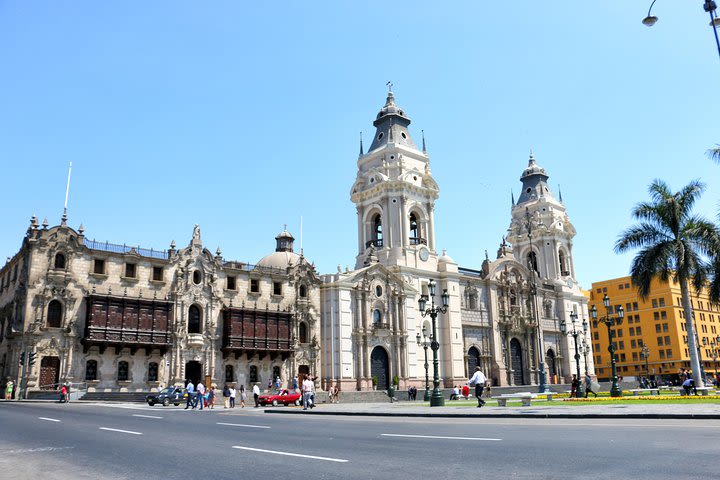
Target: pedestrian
{"type": "Point", "coordinates": [410, 393]}
{"type": "Point", "coordinates": [226, 396]}
{"type": "Point", "coordinates": [278, 382]}
{"type": "Point", "coordinates": [243, 396]}
{"type": "Point", "coordinates": [588, 384]}
{"type": "Point", "coordinates": [307, 390]}
{"type": "Point", "coordinates": [295, 383]}
{"type": "Point", "coordinates": [63, 391]}
{"type": "Point", "coordinates": [200, 396]}
{"type": "Point", "coordinates": [414, 393]}
{"type": "Point", "coordinates": [211, 398]}
{"type": "Point", "coordinates": [455, 395]}
{"type": "Point", "coordinates": [190, 395]}
{"type": "Point", "coordinates": [466, 392]}
{"type": "Point", "coordinates": [233, 395]}
{"type": "Point", "coordinates": [574, 386]}
{"type": "Point", "coordinates": [9, 389]}
{"type": "Point", "coordinates": [67, 392]}
{"type": "Point", "coordinates": [256, 394]}
{"type": "Point", "coordinates": [478, 381]}
{"type": "Point", "coordinates": [270, 383]}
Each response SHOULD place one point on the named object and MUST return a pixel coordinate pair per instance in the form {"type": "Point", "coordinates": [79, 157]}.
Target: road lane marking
{"type": "Point", "coordinates": [241, 425]}
{"type": "Point", "coordinates": [121, 431]}
{"type": "Point", "coordinates": [145, 416]}
{"type": "Point", "coordinates": [327, 459]}
{"type": "Point", "coordinates": [441, 438]}
{"type": "Point", "coordinates": [34, 450]}
{"type": "Point", "coordinates": [49, 419]}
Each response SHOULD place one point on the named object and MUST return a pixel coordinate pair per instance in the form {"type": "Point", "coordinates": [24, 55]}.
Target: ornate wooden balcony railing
{"type": "Point", "coordinates": [256, 332]}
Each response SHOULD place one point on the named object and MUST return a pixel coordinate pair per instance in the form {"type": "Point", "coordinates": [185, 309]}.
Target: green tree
{"type": "Point", "coordinates": [714, 153]}
{"type": "Point", "coordinates": [674, 243]}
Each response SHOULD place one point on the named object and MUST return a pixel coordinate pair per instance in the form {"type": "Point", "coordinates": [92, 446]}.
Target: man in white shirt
{"type": "Point", "coordinates": [256, 394]}
{"type": "Point", "coordinates": [478, 381]}
{"type": "Point", "coordinates": [190, 394]}
{"type": "Point", "coordinates": [200, 397]}
{"type": "Point", "coordinates": [308, 387]}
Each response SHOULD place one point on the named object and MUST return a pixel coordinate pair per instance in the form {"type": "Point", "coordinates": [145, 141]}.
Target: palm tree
{"type": "Point", "coordinates": [714, 153]}
{"type": "Point", "coordinates": [673, 243]}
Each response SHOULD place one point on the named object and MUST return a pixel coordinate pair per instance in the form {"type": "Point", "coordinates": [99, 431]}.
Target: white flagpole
{"type": "Point", "coordinates": [67, 193]}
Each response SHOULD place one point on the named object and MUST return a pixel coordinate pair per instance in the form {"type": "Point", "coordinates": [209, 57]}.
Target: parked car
{"type": "Point", "coordinates": [168, 395]}
{"type": "Point", "coordinates": [284, 397]}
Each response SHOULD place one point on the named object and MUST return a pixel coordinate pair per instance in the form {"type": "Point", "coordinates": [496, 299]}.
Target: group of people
{"type": "Point", "coordinates": [200, 396]}
{"type": "Point", "coordinates": [412, 393]}
{"type": "Point", "coordinates": [575, 386]}
{"type": "Point", "coordinates": [334, 394]}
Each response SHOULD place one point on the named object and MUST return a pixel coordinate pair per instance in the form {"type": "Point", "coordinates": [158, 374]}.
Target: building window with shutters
{"type": "Point", "coordinates": [130, 270]}
{"type": "Point", "coordinates": [229, 374]}
{"type": "Point", "coordinates": [99, 266]}
{"type": "Point", "coordinates": [152, 372]}
{"type": "Point", "coordinates": [91, 370]}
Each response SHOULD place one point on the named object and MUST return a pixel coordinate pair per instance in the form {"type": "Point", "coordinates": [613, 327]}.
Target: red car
{"type": "Point", "coordinates": [284, 397]}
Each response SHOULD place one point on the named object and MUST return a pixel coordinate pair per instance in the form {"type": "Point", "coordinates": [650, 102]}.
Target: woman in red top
{"type": "Point", "coordinates": [63, 394]}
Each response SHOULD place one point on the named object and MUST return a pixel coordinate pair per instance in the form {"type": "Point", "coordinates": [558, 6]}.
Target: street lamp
{"type": "Point", "coordinates": [575, 333]}
{"type": "Point", "coordinates": [425, 343]}
{"type": "Point", "coordinates": [542, 383]}
{"type": "Point", "coordinates": [609, 321]}
{"type": "Point", "coordinates": [585, 349]}
{"type": "Point", "coordinates": [436, 399]}
{"type": "Point", "coordinates": [709, 6]}
{"type": "Point", "coordinates": [645, 355]}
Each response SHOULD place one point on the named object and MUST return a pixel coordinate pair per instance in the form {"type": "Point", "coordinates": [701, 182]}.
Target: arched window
{"type": "Point", "coordinates": [54, 314]}
{"type": "Point", "coordinates": [414, 230]}
{"type": "Point", "coordinates": [152, 372]}
{"type": "Point", "coordinates": [59, 260]}
{"type": "Point", "coordinates": [377, 316]}
{"type": "Point", "coordinates": [91, 370]}
{"type": "Point", "coordinates": [303, 291]}
{"type": "Point", "coordinates": [532, 262]}
{"type": "Point", "coordinates": [123, 372]}
{"type": "Point", "coordinates": [229, 374]}
{"type": "Point", "coordinates": [377, 230]}
{"type": "Point", "coordinates": [253, 374]}
{"type": "Point", "coordinates": [303, 332]}
{"type": "Point", "coordinates": [197, 277]}
{"type": "Point", "coordinates": [194, 319]}
{"type": "Point", "coordinates": [563, 264]}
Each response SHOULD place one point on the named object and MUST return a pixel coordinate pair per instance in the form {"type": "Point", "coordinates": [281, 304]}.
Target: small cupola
{"type": "Point", "coordinates": [284, 241]}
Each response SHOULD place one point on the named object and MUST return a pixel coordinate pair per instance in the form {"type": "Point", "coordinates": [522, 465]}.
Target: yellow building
{"type": "Point", "coordinates": [658, 322]}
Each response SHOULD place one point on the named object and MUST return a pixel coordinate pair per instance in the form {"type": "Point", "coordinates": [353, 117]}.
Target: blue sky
{"type": "Point", "coordinates": [244, 116]}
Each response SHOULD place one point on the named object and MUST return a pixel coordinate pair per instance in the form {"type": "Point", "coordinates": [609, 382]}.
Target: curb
{"type": "Point", "coordinates": [664, 416]}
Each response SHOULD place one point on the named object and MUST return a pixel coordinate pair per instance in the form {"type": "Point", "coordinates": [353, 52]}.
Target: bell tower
{"type": "Point", "coordinates": [395, 194]}
{"type": "Point", "coordinates": [538, 212]}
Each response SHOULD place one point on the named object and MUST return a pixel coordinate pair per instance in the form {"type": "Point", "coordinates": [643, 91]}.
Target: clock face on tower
{"type": "Point", "coordinates": [424, 254]}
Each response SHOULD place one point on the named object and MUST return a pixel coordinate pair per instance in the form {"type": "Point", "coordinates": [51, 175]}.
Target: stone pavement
{"type": "Point", "coordinates": [405, 409]}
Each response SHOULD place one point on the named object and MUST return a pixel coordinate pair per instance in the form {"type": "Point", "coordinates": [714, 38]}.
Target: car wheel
{"type": "Point", "coordinates": [176, 404]}
{"type": "Point", "coordinates": [166, 402]}
{"type": "Point", "coordinates": [152, 404]}
{"type": "Point", "coordinates": [274, 403]}
{"type": "Point", "coordinates": [297, 402]}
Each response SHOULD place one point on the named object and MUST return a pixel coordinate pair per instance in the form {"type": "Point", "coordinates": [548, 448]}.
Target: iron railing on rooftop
{"type": "Point", "coordinates": [247, 267]}
{"type": "Point", "coordinates": [115, 248]}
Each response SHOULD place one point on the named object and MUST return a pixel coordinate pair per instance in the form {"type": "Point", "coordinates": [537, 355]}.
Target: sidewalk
{"type": "Point", "coordinates": [404, 409]}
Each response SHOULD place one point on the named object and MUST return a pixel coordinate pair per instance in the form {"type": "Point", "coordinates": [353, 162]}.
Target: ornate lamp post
{"type": "Point", "coordinates": [709, 6]}
{"type": "Point", "coordinates": [425, 343]}
{"type": "Point", "coordinates": [585, 349]}
{"type": "Point", "coordinates": [609, 321]}
{"type": "Point", "coordinates": [645, 355]}
{"type": "Point", "coordinates": [436, 399]}
{"type": "Point", "coordinates": [542, 382]}
{"type": "Point", "coordinates": [575, 333]}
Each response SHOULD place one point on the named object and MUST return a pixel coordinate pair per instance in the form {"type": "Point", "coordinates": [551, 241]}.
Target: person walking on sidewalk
{"type": "Point", "coordinates": [256, 394]}
{"type": "Point", "coordinates": [588, 385]}
{"type": "Point", "coordinates": [478, 381]}
{"type": "Point", "coordinates": [190, 395]}
{"type": "Point", "coordinates": [307, 390]}
{"type": "Point", "coordinates": [226, 396]}
{"type": "Point", "coordinates": [243, 396]}
{"type": "Point", "coordinates": [9, 389]}
{"type": "Point", "coordinates": [200, 397]}
{"type": "Point", "coordinates": [233, 395]}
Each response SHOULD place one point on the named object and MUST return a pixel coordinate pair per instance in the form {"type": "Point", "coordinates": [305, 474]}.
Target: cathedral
{"type": "Point", "coordinates": [122, 318]}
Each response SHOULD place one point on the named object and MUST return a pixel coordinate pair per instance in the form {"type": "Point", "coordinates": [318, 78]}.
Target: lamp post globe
{"type": "Point", "coordinates": [436, 398]}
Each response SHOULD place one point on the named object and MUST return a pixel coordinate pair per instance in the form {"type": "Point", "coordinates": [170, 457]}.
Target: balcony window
{"type": "Point", "coordinates": [231, 283]}
{"type": "Point", "coordinates": [99, 266]}
{"type": "Point", "coordinates": [54, 314]}
{"type": "Point", "coordinates": [254, 285]}
{"type": "Point", "coordinates": [277, 288]}
{"type": "Point", "coordinates": [130, 270]}
{"type": "Point", "coordinates": [158, 274]}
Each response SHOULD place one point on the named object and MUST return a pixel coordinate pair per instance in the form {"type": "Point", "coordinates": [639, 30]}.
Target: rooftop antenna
{"type": "Point", "coordinates": [67, 192]}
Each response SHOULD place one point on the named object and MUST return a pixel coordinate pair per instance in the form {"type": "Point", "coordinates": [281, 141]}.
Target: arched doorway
{"type": "Point", "coordinates": [473, 361]}
{"type": "Point", "coordinates": [49, 373]}
{"type": "Point", "coordinates": [516, 362]}
{"type": "Point", "coordinates": [552, 367]}
{"type": "Point", "coordinates": [193, 371]}
{"type": "Point", "coordinates": [380, 367]}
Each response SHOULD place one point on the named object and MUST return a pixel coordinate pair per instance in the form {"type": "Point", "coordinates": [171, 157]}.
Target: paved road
{"type": "Point", "coordinates": [81, 441]}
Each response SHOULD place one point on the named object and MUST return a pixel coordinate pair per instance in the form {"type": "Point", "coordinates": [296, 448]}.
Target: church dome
{"type": "Point", "coordinates": [279, 260]}
{"type": "Point", "coordinates": [283, 256]}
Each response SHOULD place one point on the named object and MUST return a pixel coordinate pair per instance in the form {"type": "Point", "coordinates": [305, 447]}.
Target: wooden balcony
{"type": "Point", "coordinates": [256, 332]}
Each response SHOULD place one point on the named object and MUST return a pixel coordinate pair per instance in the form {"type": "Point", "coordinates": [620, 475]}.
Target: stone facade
{"type": "Point", "coordinates": [129, 319]}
